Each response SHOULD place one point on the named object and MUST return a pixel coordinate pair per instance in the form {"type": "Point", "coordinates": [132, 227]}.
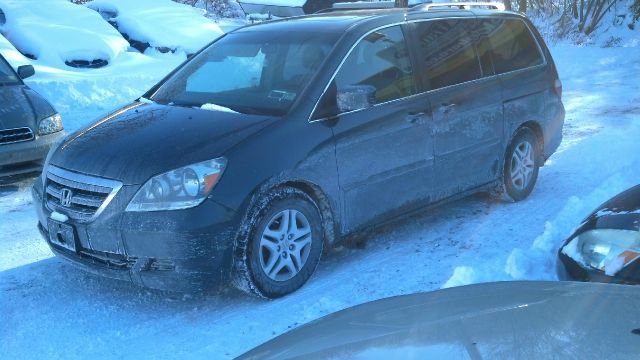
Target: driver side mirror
{"type": "Point", "coordinates": [355, 97]}
{"type": "Point", "coordinates": [25, 71]}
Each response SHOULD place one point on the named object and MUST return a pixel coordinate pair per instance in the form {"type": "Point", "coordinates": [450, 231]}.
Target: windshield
{"type": "Point", "coordinates": [7, 75]}
{"type": "Point", "coordinates": [249, 72]}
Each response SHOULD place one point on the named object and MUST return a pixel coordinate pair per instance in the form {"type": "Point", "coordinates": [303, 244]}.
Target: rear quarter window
{"type": "Point", "coordinates": [513, 45]}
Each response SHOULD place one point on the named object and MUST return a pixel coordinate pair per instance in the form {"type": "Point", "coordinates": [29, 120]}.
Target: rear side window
{"type": "Point", "coordinates": [447, 55]}
{"type": "Point", "coordinates": [514, 47]}
{"type": "Point", "coordinates": [380, 62]}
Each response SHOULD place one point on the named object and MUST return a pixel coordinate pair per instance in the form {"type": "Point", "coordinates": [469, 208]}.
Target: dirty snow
{"type": "Point", "coordinates": [52, 310]}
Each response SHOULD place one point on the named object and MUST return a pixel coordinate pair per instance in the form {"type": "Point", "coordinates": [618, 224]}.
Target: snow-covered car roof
{"type": "Point", "coordinates": [11, 54]}
{"type": "Point", "coordinates": [81, 37]}
{"type": "Point", "coordinates": [160, 23]}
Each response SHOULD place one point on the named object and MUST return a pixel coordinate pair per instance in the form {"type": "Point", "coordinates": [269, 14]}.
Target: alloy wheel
{"type": "Point", "coordinates": [522, 165]}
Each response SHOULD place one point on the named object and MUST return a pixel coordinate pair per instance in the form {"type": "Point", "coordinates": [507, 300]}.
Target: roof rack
{"type": "Point", "coordinates": [460, 5]}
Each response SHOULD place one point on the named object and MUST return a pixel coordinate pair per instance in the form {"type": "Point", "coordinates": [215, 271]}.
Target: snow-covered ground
{"type": "Point", "coordinates": [51, 310]}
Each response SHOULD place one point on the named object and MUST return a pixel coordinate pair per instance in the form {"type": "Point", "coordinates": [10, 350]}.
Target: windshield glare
{"type": "Point", "coordinates": [249, 72]}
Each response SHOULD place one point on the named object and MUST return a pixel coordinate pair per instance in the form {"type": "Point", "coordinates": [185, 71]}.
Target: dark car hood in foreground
{"type": "Point", "coordinates": [141, 140]}
{"type": "Point", "coordinates": [21, 106]}
{"type": "Point", "coordinates": [508, 320]}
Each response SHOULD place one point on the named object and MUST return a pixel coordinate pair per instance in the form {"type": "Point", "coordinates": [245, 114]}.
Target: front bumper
{"type": "Point", "coordinates": [183, 250]}
{"type": "Point", "coordinates": [27, 156]}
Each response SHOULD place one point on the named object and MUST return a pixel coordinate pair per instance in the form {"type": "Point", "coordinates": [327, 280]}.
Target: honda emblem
{"type": "Point", "coordinates": [65, 197]}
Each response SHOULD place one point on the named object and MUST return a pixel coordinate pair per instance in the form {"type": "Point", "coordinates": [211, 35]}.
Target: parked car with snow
{"type": "Point", "coordinates": [82, 38]}
{"type": "Point", "coordinates": [606, 246]}
{"type": "Point", "coordinates": [314, 128]}
{"type": "Point", "coordinates": [505, 320]}
{"type": "Point", "coordinates": [163, 25]}
{"type": "Point", "coordinates": [29, 125]}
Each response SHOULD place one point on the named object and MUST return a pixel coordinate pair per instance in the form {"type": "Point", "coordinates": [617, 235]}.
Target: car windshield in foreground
{"type": "Point", "coordinates": [7, 76]}
{"type": "Point", "coordinates": [249, 72]}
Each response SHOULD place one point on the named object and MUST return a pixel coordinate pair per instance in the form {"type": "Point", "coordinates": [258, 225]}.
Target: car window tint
{"type": "Point", "coordinates": [380, 61]}
{"type": "Point", "coordinates": [483, 47]}
{"type": "Point", "coordinates": [447, 56]}
{"type": "Point", "coordinates": [513, 45]}
{"type": "Point", "coordinates": [302, 58]}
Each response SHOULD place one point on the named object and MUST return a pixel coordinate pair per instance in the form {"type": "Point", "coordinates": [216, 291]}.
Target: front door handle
{"type": "Point", "coordinates": [414, 117]}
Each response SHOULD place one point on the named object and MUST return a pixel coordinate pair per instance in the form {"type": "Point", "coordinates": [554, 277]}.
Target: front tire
{"type": "Point", "coordinates": [283, 245]}
{"type": "Point", "coordinates": [521, 165]}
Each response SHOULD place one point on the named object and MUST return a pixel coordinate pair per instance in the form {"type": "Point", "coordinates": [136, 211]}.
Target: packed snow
{"type": "Point", "coordinates": [161, 23]}
{"type": "Point", "coordinates": [52, 310]}
{"type": "Point", "coordinates": [77, 32]}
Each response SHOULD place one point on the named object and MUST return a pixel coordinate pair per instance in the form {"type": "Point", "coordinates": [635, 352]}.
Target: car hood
{"type": "Point", "coordinates": [141, 140]}
{"type": "Point", "coordinates": [522, 320]}
{"type": "Point", "coordinates": [21, 106]}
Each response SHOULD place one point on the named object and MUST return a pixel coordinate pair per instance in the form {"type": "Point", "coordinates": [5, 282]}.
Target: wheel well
{"type": "Point", "coordinates": [323, 204]}
{"type": "Point", "coordinates": [537, 129]}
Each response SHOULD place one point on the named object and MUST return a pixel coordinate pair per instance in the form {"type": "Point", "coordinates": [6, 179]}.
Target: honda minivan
{"type": "Point", "coordinates": [277, 140]}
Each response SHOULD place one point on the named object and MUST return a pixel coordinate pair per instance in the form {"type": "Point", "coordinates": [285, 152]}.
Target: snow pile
{"type": "Point", "coordinates": [55, 31]}
{"type": "Point", "coordinates": [161, 23]}
{"type": "Point", "coordinates": [82, 96]}
{"type": "Point", "coordinates": [10, 53]}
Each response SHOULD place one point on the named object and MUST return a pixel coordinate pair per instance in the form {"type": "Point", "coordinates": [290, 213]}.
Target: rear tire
{"type": "Point", "coordinates": [283, 244]}
{"type": "Point", "coordinates": [521, 165]}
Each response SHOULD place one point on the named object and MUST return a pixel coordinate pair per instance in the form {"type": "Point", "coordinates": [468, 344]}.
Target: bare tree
{"type": "Point", "coordinates": [402, 3]}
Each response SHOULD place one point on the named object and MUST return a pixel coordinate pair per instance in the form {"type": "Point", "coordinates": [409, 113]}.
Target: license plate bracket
{"type": "Point", "coordinates": [62, 234]}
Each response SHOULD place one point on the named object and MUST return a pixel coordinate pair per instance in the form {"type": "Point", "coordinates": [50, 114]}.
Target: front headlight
{"type": "Point", "coordinates": [179, 189]}
{"type": "Point", "coordinates": [50, 125]}
{"type": "Point", "coordinates": [608, 250]}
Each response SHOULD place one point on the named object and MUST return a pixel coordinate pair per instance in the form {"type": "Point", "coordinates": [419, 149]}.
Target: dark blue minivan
{"type": "Point", "coordinates": [280, 139]}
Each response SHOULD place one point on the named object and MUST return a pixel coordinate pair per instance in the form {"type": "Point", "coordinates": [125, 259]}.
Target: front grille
{"type": "Point", "coordinates": [81, 197]}
{"type": "Point", "coordinates": [10, 136]}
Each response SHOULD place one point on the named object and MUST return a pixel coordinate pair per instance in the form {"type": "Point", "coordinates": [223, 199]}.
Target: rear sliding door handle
{"type": "Point", "coordinates": [447, 107]}
{"type": "Point", "coordinates": [414, 117]}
